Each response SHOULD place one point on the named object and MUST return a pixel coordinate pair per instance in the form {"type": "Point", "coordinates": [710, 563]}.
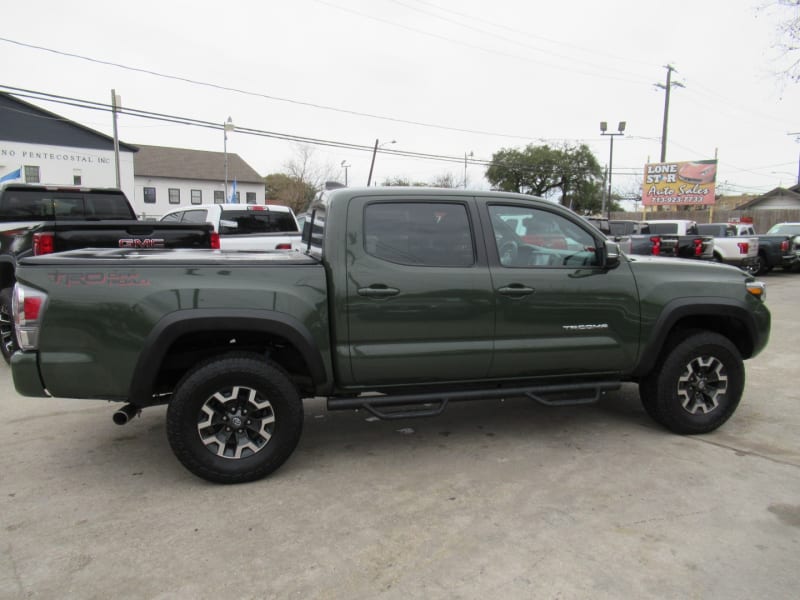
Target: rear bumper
{"type": "Point", "coordinates": [25, 371]}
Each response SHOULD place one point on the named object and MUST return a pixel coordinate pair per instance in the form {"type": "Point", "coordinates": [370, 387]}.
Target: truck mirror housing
{"type": "Point", "coordinates": [611, 254]}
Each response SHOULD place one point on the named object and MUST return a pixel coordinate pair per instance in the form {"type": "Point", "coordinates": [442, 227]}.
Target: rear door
{"type": "Point", "coordinates": [558, 311]}
{"type": "Point", "coordinates": [419, 302]}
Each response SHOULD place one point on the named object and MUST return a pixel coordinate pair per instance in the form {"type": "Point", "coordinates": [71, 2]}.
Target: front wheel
{"type": "Point", "coordinates": [234, 418]}
{"type": "Point", "coordinates": [8, 339]}
{"type": "Point", "coordinates": [696, 384]}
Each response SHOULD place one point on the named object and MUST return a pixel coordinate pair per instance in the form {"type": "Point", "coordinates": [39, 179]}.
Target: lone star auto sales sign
{"type": "Point", "coordinates": [679, 183]}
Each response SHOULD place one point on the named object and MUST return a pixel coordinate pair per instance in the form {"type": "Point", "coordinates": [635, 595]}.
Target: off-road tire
{"type": "Point", "coordinates": [8, 338]}
{"type": "Point", "coordinates": [228, 377]}
{"type": "Point", "coordinates": [696, 384]}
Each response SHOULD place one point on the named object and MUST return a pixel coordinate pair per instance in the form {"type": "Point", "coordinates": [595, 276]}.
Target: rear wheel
{"type": "Point", "coordinates": [761, 265]}
{"type": "Point", "coordinates": [234, 419]}
{"type": "Point", "coordinates": [755, 267]}
{"type": "Point", "coordinates": [8, 339]}
{"type": "Point", "coordinates": [696, 385]}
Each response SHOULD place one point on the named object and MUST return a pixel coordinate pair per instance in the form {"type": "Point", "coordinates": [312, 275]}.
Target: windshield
{"type": "Point", "coordinates": [785, 229]}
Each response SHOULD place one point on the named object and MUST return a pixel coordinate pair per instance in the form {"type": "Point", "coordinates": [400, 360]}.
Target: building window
{"type": "Point", "coordinates": [197, 196]}
{"type": "Point", "coordinates": [251, 197]}
{"type": "Point", "coordinates": [76, 180]}
{"type": "Point", "coordinates": [149, 195]}
{"type": "Point", "coordinates": [219, 197]}
{"type": "Point", "coordinates": [31, 174]}
{"type": "Point", "coordinates": [174, 196]}
{"type": "Point", "coordinates": [237, 198]}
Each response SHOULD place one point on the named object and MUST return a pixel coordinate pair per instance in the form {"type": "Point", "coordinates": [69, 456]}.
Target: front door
{"type": "Point", "coordinates": [558, 310]}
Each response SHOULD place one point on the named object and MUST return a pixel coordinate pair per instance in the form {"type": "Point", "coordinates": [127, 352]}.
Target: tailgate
{"type": "Point", "coordinates": [131, 234]}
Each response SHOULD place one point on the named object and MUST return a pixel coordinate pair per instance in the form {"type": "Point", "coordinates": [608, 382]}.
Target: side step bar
{"type": "Point", "coordinates": [585, 393]}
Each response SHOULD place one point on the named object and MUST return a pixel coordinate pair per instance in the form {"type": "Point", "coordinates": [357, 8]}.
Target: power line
{"type": "Point", "coordinates": [476, 47]}
{"type": "Point", "coordinates": [188, 121]}
{"type": "Point", "coordinates": [603, 68]}
{"type": "Point", "coordinates": [262, 95]}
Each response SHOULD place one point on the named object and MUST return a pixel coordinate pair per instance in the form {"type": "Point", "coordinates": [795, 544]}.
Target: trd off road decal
{"type": "Point", "coordinates": [112, 279]}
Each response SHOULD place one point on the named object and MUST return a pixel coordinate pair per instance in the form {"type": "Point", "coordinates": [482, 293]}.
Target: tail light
{"type": "Point", "coordinates": [655, 250]}
{"type": "Point", "coordinates": [27, 306]}
{"type": "Point", "coordinates": [283, 247]}
{"type": "Point", "coordinates": [698, 247]}
{"type": "Point", "coordinates": [215, 240]}
{"type": "Point", "coordinates": [785, 246]}
{"type": "Point", "coordinates": [43, 243]}
{"type": "Point", "coordinates": [744, 247]}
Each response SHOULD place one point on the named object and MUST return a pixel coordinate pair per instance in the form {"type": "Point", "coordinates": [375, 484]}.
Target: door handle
{"type": "Point", "coordinates": [516, 290]}
{"type": "Point", "coordinates": [378, 291]}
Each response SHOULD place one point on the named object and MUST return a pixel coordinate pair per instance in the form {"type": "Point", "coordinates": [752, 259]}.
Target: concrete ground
{"type": "Point", "coordinates": [491, 500]}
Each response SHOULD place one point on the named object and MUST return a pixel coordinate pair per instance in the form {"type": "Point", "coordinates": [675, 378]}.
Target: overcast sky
{"type": "Point", "coordinates": [442, 77]}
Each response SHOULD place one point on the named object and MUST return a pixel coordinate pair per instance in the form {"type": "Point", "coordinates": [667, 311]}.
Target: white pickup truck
{"type": "Point", "coordinates": [734, 244]}
{"type": "Point", "coordinates": [245, 226]}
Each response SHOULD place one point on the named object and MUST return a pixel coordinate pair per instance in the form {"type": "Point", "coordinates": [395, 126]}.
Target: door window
{"type": "Point", "coordinates": [409, 233]}
{"type": "Point", "coordinates": [531, 237]}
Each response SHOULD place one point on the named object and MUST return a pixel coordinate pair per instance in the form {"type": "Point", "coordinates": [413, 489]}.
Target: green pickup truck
{"type": "Point", "coordinates": [404, 300]}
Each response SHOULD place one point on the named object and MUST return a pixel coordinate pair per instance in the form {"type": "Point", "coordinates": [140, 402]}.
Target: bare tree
{"type": "Point", "coordinates": [788, 43]}
{"type": "Point", "coordinates": [304, 167]}
{"type": "Point", "coordinates": [446, 180]}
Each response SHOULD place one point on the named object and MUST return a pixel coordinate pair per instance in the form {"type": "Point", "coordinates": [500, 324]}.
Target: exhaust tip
{"type": "Point", "coordinates": [125, 414]}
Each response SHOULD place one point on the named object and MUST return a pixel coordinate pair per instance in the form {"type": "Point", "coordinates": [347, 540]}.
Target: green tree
{"type": "Point", "coordinates": [546, 171]}
{"type": "Point", "coordinates": [531, 170]}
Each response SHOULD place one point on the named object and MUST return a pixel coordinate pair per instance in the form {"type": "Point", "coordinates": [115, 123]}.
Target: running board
{"type": "Point", "coordinates": [584, 393]}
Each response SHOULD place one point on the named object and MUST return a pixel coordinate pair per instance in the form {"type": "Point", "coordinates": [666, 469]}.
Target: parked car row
{"type": "Point", "coordinates": [735, 243]}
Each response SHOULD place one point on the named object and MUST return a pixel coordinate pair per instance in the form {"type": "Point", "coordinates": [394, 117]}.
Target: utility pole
{"type": "Point", "coordinates": [115, 102]}
{"type": "Point", "coordinates": [797, 139]}
{"type": "Point", "coordinates": [666, 87]}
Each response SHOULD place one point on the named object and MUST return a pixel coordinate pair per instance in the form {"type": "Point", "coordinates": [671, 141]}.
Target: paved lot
{"type": "Point", "coordinates": [493, 499]}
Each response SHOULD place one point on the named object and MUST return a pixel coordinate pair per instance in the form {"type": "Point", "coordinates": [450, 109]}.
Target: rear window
{"type": "Point", "coordinates": [237, 222]}
{"type": "Point", "coordinates": [33, 205]}
{"type": "Point", "coordinates": [717, 230]}
{"type": "Point", "coordinates": [656, 227]}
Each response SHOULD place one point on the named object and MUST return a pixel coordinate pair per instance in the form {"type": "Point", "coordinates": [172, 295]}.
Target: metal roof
{"type": "Point", "coordinates": [182, 163]}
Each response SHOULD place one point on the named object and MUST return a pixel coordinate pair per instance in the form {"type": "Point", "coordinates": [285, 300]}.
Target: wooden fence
{"type": "Point", "coordinates": [762, 219]}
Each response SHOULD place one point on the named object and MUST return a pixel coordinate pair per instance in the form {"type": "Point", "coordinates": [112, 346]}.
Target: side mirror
{"type": "Point", "coordinates": [611, 255]}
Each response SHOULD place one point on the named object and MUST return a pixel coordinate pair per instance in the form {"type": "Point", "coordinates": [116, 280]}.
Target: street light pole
{"type": "Point", "coordinates": [345, 166]}
{"type": "Point", "coordinates": [374, 152]}
{"type": "Point", "coordinates": [604, 131]}
{"type": "Point", "coordinates": [465, 167]}
{"type": "Point", "coordinates": [226, 127]}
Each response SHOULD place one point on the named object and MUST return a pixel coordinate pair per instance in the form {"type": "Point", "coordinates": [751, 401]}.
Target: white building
{"type": "Point", "coordinates": [166, 178]}
{"type": "Point", "coordinates": [49, 149]}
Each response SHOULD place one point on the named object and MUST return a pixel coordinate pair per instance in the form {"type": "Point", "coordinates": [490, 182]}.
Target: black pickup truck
{"type": "Point", "coordinates": [779, 247]}
{"type": "Point", "coordinates": [42, 219]}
